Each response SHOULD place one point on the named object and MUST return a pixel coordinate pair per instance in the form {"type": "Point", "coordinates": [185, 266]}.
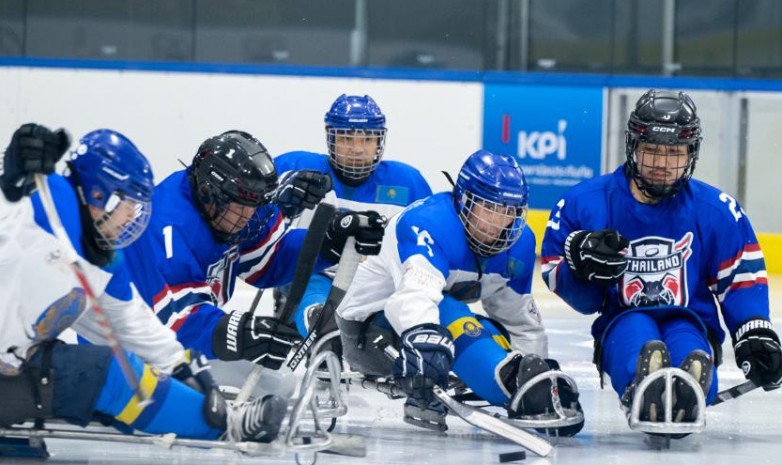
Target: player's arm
{"type": "Point", "coordinates": [172, 282]}
{"type": "Point", "coordinates": [272, 262]}
{"type": "Point", "coordinates": [514, 307]}
{"type": "Point", "coordinates": [419, 275]}
{"type": "Point", "coordinates": [136, 327]}
{"type": "Point", "coordinates": [738, 280]}
{"type": "Point", "coordinates": [574, 280]}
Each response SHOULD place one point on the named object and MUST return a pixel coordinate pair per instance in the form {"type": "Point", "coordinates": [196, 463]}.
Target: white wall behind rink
{"type": "Point", "coordinates": [433, 125]}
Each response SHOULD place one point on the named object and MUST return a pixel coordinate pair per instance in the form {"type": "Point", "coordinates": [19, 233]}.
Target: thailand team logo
{"type": "Point", "coordinates": [220, 273]}
{"type": "Point", "coordinates": [656, 272]}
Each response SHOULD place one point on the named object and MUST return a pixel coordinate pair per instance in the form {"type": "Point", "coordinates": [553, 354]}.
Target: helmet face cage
{"type": "Point", "coordinates": [113, 176]}
{"type": "Point", "coordinates": [231, 172]}
{"type": "Point", "coordinates": [658, 130]}
{"type": "Point", "coordinates": [225, 213]}
{"type": "Point", "coordinates": [491, 227]}
{"type": "Point", "coordinates": [122, 222]}
{"type": "Point", "coordinates": [657, 158]}
{"type": "Point", "coordinates": [354, 152]}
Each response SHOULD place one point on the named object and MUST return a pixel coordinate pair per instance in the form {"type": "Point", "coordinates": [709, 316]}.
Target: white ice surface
{"type": "Point", "coordinates": [745, 431]}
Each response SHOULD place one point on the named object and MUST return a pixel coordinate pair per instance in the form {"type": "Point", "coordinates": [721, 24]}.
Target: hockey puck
{"type": "Point", "coordinates": [512, 456]}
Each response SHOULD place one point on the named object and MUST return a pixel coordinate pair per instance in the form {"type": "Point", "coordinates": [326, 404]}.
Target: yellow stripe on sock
{"type": "Point", "coordinates": [502, 341]}
{"type": "Point", "coordinates": [132, 409]}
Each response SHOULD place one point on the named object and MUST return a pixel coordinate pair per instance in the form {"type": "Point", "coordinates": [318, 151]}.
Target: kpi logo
{"type": "Point", "coordinates": [539, 144]}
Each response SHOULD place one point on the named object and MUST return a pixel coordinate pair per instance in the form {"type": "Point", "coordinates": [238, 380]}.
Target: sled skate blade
{"type": "Point", "coordinates": [425, 418]}
{"type": "Point", "coordinates": [667, 425]}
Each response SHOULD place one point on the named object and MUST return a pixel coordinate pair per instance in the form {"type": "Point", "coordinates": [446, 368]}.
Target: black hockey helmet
{"type": "Point", "coordinates": [233, 167]}
{"type": "Point", "coordinates": [664, 118]}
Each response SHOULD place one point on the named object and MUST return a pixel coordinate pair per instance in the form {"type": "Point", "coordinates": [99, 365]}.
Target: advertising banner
{"type": "Point", "coordinates": [555, 133]}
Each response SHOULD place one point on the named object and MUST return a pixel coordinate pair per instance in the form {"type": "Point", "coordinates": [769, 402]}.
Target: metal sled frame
{"type": "Point", "coordinates": [334, 406]}
{"type": "Point", "coordinates": [321, 439]}
{"type": "Point", "coordinates": [561, 416]}
{"type": "Point", "coordinates": [290, 439]}
{"type": "Point", "coordinates": [667, 426]}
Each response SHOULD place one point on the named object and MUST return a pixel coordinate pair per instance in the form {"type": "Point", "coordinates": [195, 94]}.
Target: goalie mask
{"type": "Point", "coordinates": [355, 135]}
{"type": "Point", "coordinates": [232, 176]}
{"type": "Point", "coordinates": [490, 196]}
{"type": "Point", "coordinates": [662, 142]}
{"type": "Point", "coordinates": [114, 181]}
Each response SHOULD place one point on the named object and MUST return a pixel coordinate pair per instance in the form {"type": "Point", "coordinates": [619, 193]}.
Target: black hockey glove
{"type": "Point", "coordinates": [367, 227]}
{"type": "Point", "coordinates": [262, 340]}
{"type": "Point", "coordinates": [758, 353]}
{"type": "Point", "coordinates": [425, 359]}
{"type": "Point", "coordinates": [597, 256]}
{"type": "Point", "coordinates": [33, 149]}
{"type": "Point", "coordinates": [299, 190]}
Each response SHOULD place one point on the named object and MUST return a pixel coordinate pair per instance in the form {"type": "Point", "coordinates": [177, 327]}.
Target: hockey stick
{"type": "Point", "coordinates": [348, 264]}
{"type": "Point", "coordinates": [340, 444]}
{"type": "Point", "coordinates": [485, 421]}
{"type": "Point", "coordinates": [308, 256]}
{"type": "Point", "coordinates": [102, 319]}
{"type": "Point", "coordinates": [734, 392]}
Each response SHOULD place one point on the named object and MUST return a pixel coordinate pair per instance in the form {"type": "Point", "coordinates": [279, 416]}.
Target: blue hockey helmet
{"type": "Point", "coordinates": [112, 175]}
{"type": "Point", "coordinates": [355, 136]}
{"type": "Point", "coordinates": [490, 195]}
{"type": "Point", "coordinates": [660, 120]}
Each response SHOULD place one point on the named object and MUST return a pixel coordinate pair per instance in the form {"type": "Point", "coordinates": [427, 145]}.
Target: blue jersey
{"type": "Point", "coordinates": [185, 275]}
{"type": "Point", "coordinates": [392, 185]}
{"type": "Point", "coordinates": [425, 255]}
{"type": "Point", "coordinates": [695, 250]}
{"type": "Point", "coordinates": [42, 296]}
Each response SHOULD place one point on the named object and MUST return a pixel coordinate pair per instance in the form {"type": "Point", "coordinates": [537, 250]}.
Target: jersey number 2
{"type": "Point", "coordinates": [732, 205]}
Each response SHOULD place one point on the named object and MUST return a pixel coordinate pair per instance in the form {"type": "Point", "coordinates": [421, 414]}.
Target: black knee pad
{"type": "Point", "coordinates": [363, 344]}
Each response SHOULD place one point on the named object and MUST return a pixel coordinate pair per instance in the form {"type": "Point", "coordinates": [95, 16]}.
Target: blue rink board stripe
{"type": "Point", "coordinates": [494, 77]}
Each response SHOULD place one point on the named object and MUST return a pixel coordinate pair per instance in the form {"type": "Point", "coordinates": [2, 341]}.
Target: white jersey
{"type": "Point", "coordinates": [42, 297]}
{"type": "Point", "coordinates": [425, 255]}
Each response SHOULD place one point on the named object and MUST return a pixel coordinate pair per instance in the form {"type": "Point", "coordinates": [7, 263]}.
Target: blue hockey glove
{"type": "Point", "coordinates": [758, 353]}
{"type": "Point", "coordinates": [299, 190]}
{"type": "Point", "coordinates": [33, 149]}
{"type": "Point", "coordinates": [367, 227]}
{"type": "Point", "coordinates": [425, 359]}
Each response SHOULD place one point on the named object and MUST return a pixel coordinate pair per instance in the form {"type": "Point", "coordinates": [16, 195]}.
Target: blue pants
{"type": "Point", "coordinates": [175, 408]}
{"type": "Point", "coordinates": [88, 379]}
{"type": "Point", "coordinates": [630, 331]}
{"type": "Point", "coordinates": [480, 347]}
{"type": "Point", "coordinates": [317, 292]}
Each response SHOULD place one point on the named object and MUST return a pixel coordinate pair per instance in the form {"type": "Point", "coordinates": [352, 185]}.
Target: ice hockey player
{"type": "Point", "coordinates": [362, 180]}
{"type": "Point", "coordinates": [659, 255]}
{"type": "Point", "coordinates": [438, 255]}
{"type": "Point", "coordinates": [104, 205]}
{"type": "Point", "coordinates": [224, 217]}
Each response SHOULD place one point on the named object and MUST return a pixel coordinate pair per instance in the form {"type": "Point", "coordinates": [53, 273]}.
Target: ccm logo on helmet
{"type": "Point", "coordinates": [662, 129]}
